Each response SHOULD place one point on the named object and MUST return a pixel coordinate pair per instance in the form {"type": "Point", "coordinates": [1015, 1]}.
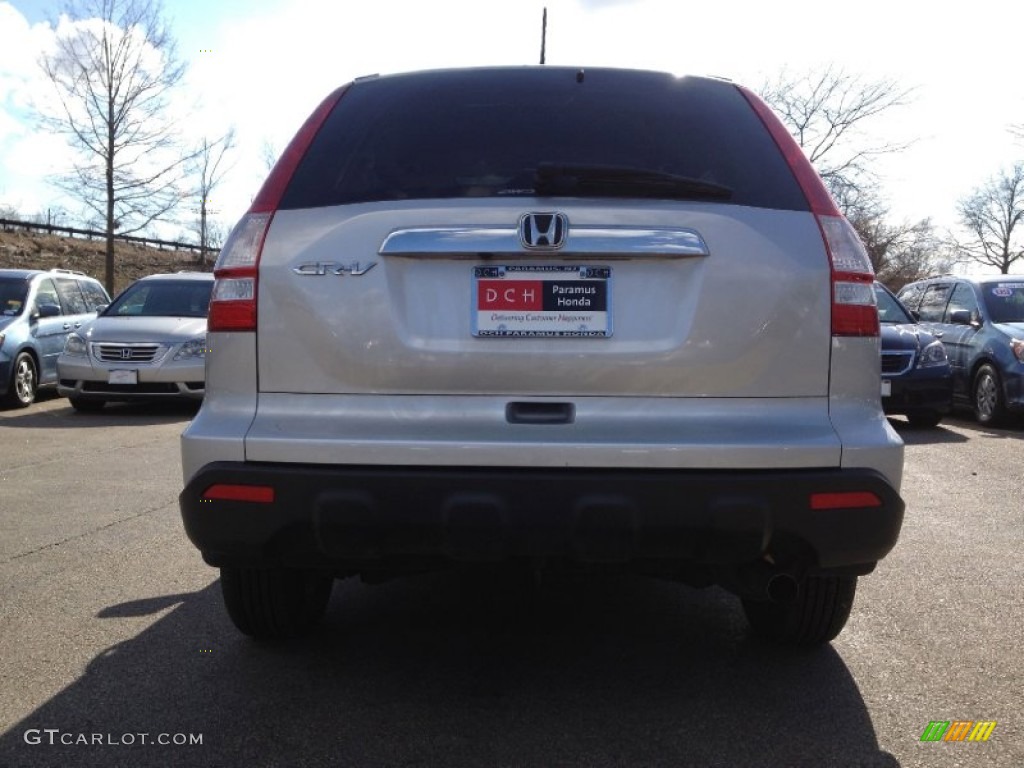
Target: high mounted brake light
{"type": "Point", "coordinates": [233, 301]}
{"type": "Point", "coordinates": [854, 312]}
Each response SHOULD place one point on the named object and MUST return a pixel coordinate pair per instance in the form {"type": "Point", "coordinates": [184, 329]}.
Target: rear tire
{"type": "Point", "coordinates": [21, 389]}
{"type": "Point", "coordinates": [275, 603]}
{"type": "Point", "coordinates": [816, 616]}
{"type": "Point", "coordinates": [924, 419]}
{"type": "Point", "coordinates": [989, 405]}
{"type": "Point", "coordinates": [85, 405]}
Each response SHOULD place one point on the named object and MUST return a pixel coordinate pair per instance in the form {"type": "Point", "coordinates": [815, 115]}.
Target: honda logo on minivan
{"type": "Point", "coordinates": [543, 230]}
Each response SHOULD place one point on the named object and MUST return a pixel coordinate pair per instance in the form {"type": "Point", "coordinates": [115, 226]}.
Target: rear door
{"type": "Point", "coordinates": [49, 332]}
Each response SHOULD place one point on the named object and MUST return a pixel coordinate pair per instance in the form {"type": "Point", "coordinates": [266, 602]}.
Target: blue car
{"type": "Point", "coordinates": [981, 323]}
{"type": "Point", "coordinates": [917, 381]}
{"type": "Point", "coordinates": [38, 310]}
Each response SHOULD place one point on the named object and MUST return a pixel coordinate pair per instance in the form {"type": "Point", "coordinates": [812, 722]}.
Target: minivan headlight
{"type": "Point", "coordinates": [192, 350]}
{"type": "Point", "coordinates": [933, 354]}
{"type": "Point", "coordinates": [74, 346]}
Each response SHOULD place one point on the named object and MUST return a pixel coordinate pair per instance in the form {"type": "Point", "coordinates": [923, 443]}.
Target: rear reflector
{"type": "Point", "coordinates": [260, 494]}
{"type": "Point", "coordinates": [848, 500]}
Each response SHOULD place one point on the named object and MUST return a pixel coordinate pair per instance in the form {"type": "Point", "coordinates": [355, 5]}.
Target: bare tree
{"type": "Point", "coordinates": [900, 252]}
{"type": "Point", "coordinates": [827, 113]}
{"type": "Point", "coordinates": [269, 155]}
{"type": "Point", "coordinates": [209, 170]}
{"type": "Point", "coordinates": [113, 69]}
{"type": "Point", "coordinates": [994, 216]}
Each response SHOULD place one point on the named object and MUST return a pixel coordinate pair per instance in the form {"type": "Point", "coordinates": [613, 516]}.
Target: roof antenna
{"type": "Point", "coordinates": [543, 35]}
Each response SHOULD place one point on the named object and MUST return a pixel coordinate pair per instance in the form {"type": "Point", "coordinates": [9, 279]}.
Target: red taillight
{"type": "Point", "coordinates": [260, 494]}
{"type": "Point", "coordinates": [233, 302]}
{"type": "Point", "coordinates": [847, 500]}
{"type": "Point", "coordinates": [854, 312]}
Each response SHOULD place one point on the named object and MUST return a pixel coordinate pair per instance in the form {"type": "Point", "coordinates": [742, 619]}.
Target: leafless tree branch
{"type": "Point", "coordinates": [113, 71]}
{"type": "Point", "coordinates": [827, 112]}
{"type": "Point", "coordinates": [992, 215]}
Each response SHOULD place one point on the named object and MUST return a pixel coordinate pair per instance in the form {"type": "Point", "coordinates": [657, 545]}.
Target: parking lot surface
{"type": "Point", "coordinates": [115, 649]}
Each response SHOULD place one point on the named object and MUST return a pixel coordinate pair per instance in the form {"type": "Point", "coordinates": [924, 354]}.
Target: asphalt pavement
{"type": "Point", "coordinates": [115, 649]}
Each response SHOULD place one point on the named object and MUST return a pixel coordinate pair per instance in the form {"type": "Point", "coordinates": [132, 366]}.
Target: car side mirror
{"type": "Point", "coordinates": [960, 317]}
{"type": "Point", "coordinates": [101, 309]}
{"type": "Point", "coordinates": [47, 310]}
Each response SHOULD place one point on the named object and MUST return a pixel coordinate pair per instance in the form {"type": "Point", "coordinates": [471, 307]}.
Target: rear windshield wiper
{"type": "Point", "coordinates": [618, 181]}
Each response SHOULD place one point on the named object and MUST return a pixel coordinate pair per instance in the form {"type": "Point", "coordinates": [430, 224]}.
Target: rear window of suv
{"type": "Point", "coordinates": [484, 133]}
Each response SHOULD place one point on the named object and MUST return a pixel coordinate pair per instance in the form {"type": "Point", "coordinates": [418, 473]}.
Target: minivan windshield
{"type": "Point", "coordinates": [163, 298]}
{"type": "Point", "coordinates": [13, 294]}
{"type": "Point", "coordinates": [1004, 301]}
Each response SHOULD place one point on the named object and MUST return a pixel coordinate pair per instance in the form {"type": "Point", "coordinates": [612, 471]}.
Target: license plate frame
{"type": "Point", "coordinates": [531, 301]}
{"type": "Point", "coordinates": [123, 377]}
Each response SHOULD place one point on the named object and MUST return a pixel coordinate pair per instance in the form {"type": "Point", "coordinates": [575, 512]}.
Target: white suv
{"type": "Point", "coordinates": [548, 314]}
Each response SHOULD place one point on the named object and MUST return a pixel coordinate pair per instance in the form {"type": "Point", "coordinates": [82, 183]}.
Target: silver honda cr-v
{"type": "Point", "coordinates": [549, 315]}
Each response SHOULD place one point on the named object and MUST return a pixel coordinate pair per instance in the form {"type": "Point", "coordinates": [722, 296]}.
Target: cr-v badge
{"type": "Point", "coordinates": [353, 268]}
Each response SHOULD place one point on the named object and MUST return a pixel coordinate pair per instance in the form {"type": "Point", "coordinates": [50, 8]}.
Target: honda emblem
{"type": "Point", "coordinates": [543, 230]}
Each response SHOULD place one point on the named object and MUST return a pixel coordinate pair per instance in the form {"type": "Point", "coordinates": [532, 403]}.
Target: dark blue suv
{"type": "Point", "coordinates": [981, 323]}
{"type": "Point", "coordinates": [38, 310]}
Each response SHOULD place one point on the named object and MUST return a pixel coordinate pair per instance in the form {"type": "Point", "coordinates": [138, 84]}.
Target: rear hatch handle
{"type": "Point", "coordinates": [540, 413]}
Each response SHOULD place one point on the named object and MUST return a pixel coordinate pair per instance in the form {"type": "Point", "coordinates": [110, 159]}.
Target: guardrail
{"type": "Point", "coordinates": [11, 225]}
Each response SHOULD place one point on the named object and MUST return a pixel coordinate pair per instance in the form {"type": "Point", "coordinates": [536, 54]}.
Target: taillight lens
{"type": "Point", "coordinates": [233, 301]}
{"type": "Point", "coordinates": [854, 312]}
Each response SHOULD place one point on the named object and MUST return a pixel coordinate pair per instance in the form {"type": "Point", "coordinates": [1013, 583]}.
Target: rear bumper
{"type": "Point", "coordinates": [353, 516]}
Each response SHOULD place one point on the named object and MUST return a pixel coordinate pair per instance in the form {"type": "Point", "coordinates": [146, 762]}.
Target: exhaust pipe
{"type": "Point", "coordinates": [761, 582]}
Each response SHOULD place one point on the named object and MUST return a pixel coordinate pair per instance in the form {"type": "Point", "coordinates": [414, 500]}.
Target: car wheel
{"type": "Point", "coordinates": [86, 405]}
{"type": "Point", "coordinates": [989, 407]}
{"type": "Point", "coordinates": [21, 390]}
{"type": "Point", "coordinates": [275, 603]}
{"type": "Point", "coordinates": [924, 419]}
{"type": "Point", "coordinates": [816, 615]}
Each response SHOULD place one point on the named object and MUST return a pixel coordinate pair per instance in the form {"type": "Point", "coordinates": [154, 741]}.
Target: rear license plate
{"type": "Point", "coordinates": [531, 301]}
{"type": "Point", "coordinates": [123, 377]}
{"type": "Point", "coordinates": [886, 388]}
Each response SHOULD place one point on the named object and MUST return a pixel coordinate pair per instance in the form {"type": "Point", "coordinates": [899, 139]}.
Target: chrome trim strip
{"type": "Point", "coordinates": [473, 242]}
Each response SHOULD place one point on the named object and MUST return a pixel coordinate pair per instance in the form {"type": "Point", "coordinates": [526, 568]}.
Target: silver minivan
{"type": "Point", "coordinates": [583, 317]}
{"type": "Point", "coordinates": [38, 310]}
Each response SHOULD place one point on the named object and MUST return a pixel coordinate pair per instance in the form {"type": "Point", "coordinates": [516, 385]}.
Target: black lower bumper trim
{"type": "Point", "coordinates": [327, 516]}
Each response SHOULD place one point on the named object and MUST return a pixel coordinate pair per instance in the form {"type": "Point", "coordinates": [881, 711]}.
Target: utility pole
{"type": "Point", "coordinates": [543, 34]}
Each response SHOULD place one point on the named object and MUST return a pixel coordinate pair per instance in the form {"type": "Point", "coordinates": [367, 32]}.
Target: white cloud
{"type": "Point", "coordinates": [270, 62]}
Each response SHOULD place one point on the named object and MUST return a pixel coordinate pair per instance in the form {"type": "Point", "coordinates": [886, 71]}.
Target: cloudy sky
{"type": "Point", "coordinates": [262, 65]}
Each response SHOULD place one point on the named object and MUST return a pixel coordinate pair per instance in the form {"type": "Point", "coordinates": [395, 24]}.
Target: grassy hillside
{"type": "Point", "coordinates": [24, 250]}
